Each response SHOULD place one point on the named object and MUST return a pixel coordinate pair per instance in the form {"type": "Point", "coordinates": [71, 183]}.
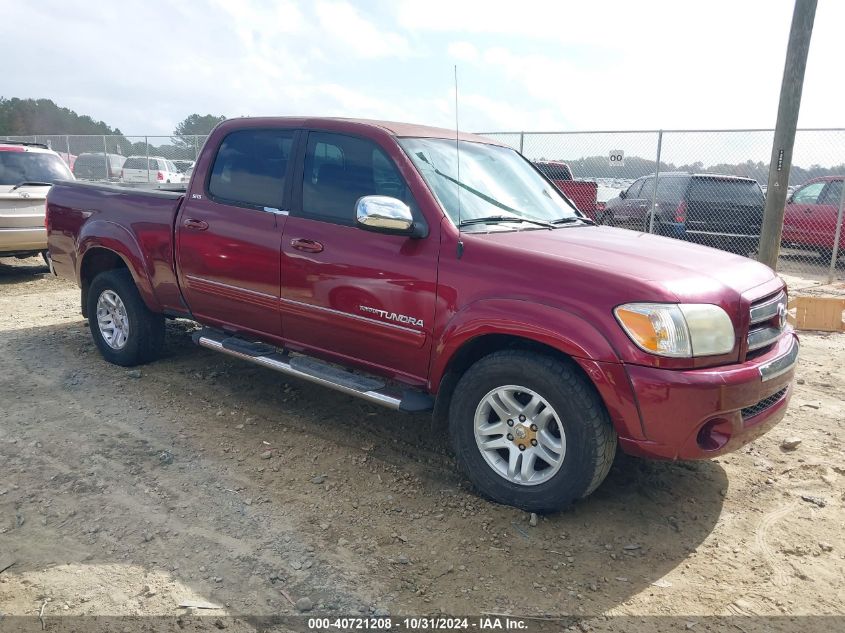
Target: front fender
{"type": "Point", "coordinates": [116, 238]}
{"type": "Point", "coordinates": [559, 329]}
{"type": "Point", "coordinates": [545, 324]}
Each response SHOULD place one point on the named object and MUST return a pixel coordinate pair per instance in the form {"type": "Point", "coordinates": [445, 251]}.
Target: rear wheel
{"type": "Point", "coordinates": [125, 331]}
{"type": "Point", "coordinates": [530, 431]}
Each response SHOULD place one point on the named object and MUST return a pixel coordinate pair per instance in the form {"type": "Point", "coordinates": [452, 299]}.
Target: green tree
{"type": "Point", "coordinates": [200, 124]}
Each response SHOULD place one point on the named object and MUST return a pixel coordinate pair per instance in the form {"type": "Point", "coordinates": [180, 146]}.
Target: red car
{"type": "Point", "coordinates": [357, 255]}
{"type": "Point", "coordinates": [810, 218]}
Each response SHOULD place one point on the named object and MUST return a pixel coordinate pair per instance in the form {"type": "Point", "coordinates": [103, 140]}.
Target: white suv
{"type": "Point", "coordinates": [154, 170]}
{"type": "Point", "coordinates": [27, 171]}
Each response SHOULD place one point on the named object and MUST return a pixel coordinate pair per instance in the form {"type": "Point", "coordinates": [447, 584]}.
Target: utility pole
{"type": "Point", "coordinates": [788, 106]}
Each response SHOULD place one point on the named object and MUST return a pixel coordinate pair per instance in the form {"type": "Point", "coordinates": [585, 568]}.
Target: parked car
{"type": "Point", "coordinates": [356, 255]}
{"type": "Point", "coordinates": [27, 170]}
{"type": "Point", "coordinates": [184, 165]}
{"type": "Point", "coordinates": [717, 210]}
{"type": "Point", "coordinates": [152, 169]}
{"type": "Point", "coordinates": [98, 166]}
{"type": "Point", "coordinates": [811, 214]}
{"type": "Point", "coordinates": [581, 192]}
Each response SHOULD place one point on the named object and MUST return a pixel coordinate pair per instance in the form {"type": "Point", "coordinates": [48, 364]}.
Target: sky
{"type": "Point", "coordinates": [144, 65]}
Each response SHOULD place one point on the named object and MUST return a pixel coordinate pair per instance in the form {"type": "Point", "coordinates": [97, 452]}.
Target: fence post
{"type": "Point", "coordinates": [836, 239]}
{"type": "Point", "coordinates": [67, 144]}
{"type": "Point", "coordinates": [105, 157]}
{"type": "Point", "coordinates": [656, 182]}
{"type": "Point", "coordinates": [196, 148]}
{"type": "Point", "coordinates": [147, 150]}
{"type": "Point", "coordinates": [521, 141]}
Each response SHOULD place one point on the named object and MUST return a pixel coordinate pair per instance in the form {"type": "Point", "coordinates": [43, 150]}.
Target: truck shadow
{"type": "Point", "coordinates": [200, 475]}
{"type": "Point", "coordinates": [15, 271]}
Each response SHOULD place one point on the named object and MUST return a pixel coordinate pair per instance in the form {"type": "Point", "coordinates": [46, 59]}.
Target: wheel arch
{"type": "Point", "coordinates": [97, 258]}
{"type": "Point", "coordinates": [483, 330]}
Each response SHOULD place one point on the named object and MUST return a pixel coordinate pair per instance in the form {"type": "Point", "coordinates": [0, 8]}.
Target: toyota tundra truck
{"type": "Point", "coordinates": [427, 271]}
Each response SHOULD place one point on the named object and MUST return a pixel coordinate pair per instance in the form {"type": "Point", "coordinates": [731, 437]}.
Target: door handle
{"type": "Point", "coordinates": [195, 225]}
{"type": "Point", "coordinates": [309, 246]}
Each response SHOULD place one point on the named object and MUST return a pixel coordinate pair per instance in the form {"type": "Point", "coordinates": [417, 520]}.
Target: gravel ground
{"type": "Point", "coordinates": [198, 477]}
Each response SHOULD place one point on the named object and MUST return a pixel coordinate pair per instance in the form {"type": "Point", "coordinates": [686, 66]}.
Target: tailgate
{"type": "Point", "coordinates": [21, 210]}
{"type": "Point", "coordinates": [582, 193]}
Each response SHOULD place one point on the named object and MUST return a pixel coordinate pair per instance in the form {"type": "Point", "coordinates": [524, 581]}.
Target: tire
{"type": "Point", "coordinates": [586, 438]}
{"type": "Point", "coordinates": [143, 331]}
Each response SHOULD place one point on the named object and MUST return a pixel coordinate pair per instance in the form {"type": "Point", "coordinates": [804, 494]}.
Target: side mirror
{"type": "Point", "coordinates": [383, 214]}
{"type": "Point", "coordinates": [622, 194]}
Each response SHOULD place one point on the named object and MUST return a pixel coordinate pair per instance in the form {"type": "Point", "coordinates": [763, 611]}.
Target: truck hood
{"type": "Point", "coordinates": [684, 269]}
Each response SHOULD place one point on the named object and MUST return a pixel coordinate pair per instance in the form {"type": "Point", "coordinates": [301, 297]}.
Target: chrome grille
{"type": "Point", "coordinates": [765, 403]}
{"type": "Point", "coordinates": [767, 318]}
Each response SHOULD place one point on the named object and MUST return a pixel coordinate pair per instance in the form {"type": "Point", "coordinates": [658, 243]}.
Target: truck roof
{"type": "Point", "coordinates": [394, 128]}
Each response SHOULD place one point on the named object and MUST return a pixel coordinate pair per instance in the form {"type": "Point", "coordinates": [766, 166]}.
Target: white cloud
{"type": "Point", "coordinates": [463, 51]}
{"type": "Point", "coordinates": [341, 21]}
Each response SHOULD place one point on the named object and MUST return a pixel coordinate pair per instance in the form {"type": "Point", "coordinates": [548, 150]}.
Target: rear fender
{"type": "Point", "coordinates": [116, 238]}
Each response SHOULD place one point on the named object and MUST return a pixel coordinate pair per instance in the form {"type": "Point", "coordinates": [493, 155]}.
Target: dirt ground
{"type": "Point", "coordinates": [199, 477]}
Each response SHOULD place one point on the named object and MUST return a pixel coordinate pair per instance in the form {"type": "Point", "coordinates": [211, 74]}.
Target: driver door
{"type": "Point", "coordinates": [348, 294]}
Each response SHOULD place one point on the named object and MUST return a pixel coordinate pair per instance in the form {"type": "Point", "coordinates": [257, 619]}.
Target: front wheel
{"type": "Point", "coordinates": [530, 431]}
{"type": "Point", "coordinates": [125, 331]}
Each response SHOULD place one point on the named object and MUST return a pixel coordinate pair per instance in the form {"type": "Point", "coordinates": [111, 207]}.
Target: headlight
{"type": "Point", "coordinates": [677, 330]}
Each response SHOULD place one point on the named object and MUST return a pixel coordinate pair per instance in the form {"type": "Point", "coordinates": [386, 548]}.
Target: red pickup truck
{"type": "Point", "coordinates": [583, 193]}
{"type": "Point", "coordinates": [380, 260]}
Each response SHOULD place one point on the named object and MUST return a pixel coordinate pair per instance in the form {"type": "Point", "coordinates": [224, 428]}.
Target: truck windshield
{"type": "Point", "coordinates": [492, 179]}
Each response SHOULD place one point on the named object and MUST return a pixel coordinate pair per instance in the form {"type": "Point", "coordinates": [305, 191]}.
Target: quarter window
{"type": "Point", "coordinates": [250, 168]}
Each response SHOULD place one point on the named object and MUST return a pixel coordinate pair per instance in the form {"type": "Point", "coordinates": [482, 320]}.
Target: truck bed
{"type": "Point", "coordinates": [77, 210]}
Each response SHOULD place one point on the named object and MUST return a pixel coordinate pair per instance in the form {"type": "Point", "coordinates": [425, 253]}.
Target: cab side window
{"type": "Point", "coordinates": [808, 194]}
{"type": "Point", "coordinates": [341, 169]}
{"type": "Point", "coordinates": [647, 192]}
{"type": "Point", "coordinates": [250, 168]}
{"type": "Point", "coordinates": [634, 189]}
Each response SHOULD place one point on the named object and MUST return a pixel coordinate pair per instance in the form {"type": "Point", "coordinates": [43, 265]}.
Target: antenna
{"type": "Point", "coordinates": [458, 156]}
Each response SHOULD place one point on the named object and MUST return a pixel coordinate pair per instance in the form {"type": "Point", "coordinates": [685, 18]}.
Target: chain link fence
{"type": "Point", "coordinates": [704, 186]}
{"type": "Point", "coordinates": [130, 160]}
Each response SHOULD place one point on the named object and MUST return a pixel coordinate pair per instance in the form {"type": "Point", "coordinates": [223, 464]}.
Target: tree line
{"type": "Point", "coordinates": [636, 167]}
{"type": "Point", "coordinates": [43, 118]}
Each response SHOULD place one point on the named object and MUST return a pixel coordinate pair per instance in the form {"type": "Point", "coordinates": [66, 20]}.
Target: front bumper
{"type": "Point", "coordinates": [702, 413]}
{"type": "Point", "coordinates": [21, 240]}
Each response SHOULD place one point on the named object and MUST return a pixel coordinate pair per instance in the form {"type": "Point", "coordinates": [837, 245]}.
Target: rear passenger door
{"type": "Point", "coordinates": [348, 294]}
{"type": "Point", "coordinates": [229, 229]}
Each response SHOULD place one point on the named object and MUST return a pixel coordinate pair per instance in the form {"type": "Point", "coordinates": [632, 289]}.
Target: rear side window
{"type": "Point", "coordinates": [723, 190]}
{"type": "Point", "coordinates": [135, 162]}
{"type": "Point", "coordinates": [340, 169]}
{"type": "Point", "coordinates": [21, 166]}
{"type": "Point", "coordinates": [250, 168]}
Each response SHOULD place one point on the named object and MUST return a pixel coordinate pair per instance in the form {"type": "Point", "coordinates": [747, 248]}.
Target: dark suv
{"type": "Point", "coordinates": [713, 209]}
{"type": "Point", "coordinates": [93, 166]}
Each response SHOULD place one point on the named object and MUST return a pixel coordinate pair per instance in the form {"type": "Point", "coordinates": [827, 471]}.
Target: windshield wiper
{"type": "Point", "coordinates": [572, 218]}
{"type": "Point", "coordinates": [31, 183]}
{"type": "Point", "coordinates": [500, 219]}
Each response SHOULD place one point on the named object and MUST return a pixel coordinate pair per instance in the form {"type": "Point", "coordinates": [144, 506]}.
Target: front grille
{"type": "Point", "coordinates": [765, 403]}
{"type": "Point", "coordinates": [766, 320]}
